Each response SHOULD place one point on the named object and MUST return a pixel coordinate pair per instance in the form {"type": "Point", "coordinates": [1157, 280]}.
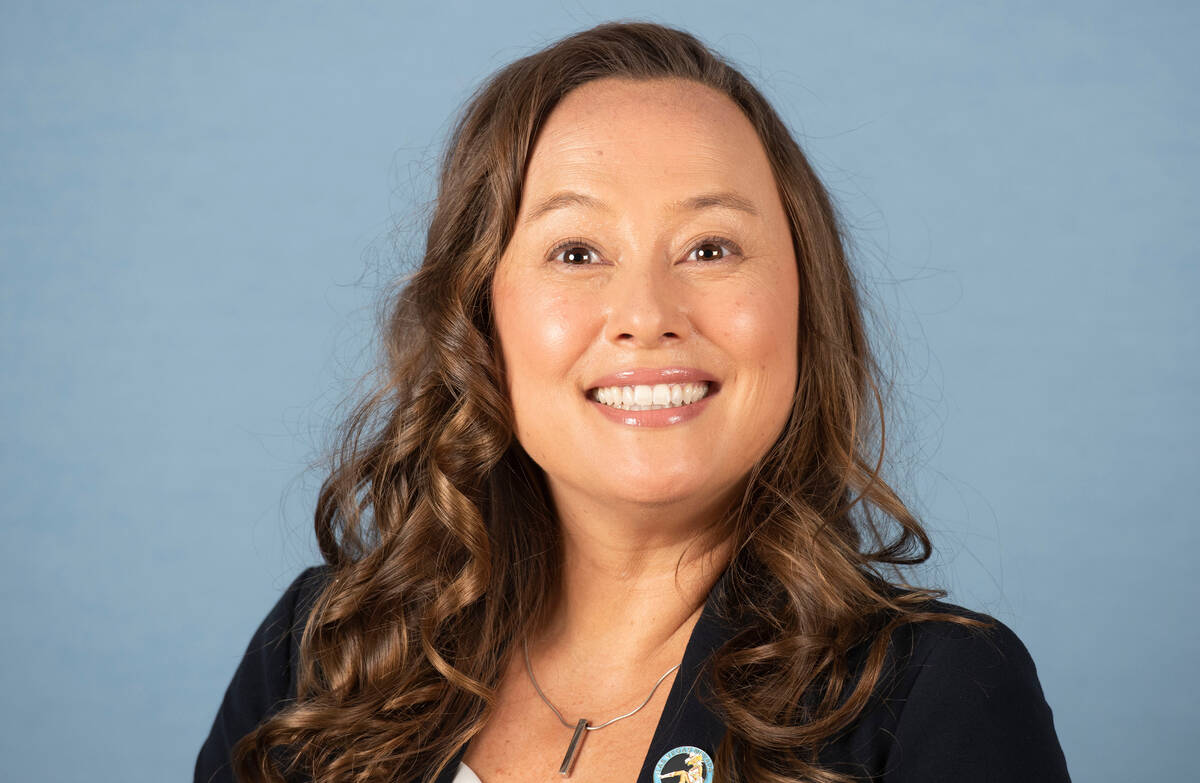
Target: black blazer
{"type": "Point", "coordinates": [960, 705]}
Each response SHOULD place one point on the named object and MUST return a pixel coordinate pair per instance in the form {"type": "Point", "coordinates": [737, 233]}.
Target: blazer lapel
{"type": "Point", "coordinates": [689, 732]}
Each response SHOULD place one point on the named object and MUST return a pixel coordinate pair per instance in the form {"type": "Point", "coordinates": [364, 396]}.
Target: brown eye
{"type": "Point", "coordinates": [576, 254]}
{"type": "Point", "coordinates": [573, 252]}
{"type": "Point", "coordinates": [713, 249]}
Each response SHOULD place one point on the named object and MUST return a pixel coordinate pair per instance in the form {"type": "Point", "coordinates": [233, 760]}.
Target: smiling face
{"type": "Point", "coordinates": [647, 303]}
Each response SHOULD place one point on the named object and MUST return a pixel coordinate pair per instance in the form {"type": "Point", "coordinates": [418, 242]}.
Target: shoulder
{"type": "Point", "coordinates": [967, 701]}
{"type": "Point", "coordinates": [265, 679]}
{"type": "Point", "coordinates": [275, 646]}
{"type": "Point", "coordinates": [302, 593]}
{"type": "Point", "coordinates": [945, 650]}
{"type": "Point", "coordinates": [291, 613]}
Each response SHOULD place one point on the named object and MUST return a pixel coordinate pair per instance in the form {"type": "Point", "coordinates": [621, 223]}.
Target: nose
{"type": "Point", "coordinates": [646, 307]}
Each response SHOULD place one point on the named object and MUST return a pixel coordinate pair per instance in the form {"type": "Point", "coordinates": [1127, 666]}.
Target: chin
{"type": "Point", "coordinates": [661, 490]}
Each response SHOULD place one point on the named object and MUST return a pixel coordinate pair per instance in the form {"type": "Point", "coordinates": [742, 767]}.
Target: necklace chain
{"type": "Point", "coordinates": [589, 727]}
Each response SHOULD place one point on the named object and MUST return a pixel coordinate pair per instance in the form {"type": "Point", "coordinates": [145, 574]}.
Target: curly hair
{"type": "Point", "coordinates": [432, 579]}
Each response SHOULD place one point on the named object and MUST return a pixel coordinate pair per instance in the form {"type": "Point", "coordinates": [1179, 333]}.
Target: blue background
{"type": "Point", "coordinates": [199, 203]}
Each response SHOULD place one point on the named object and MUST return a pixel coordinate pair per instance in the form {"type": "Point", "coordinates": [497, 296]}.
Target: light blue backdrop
{"type": "Point", "coordinates": [196, 203]}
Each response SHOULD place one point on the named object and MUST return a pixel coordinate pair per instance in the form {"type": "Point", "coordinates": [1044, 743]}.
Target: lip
{"type": "Point", "coordinates": [649, 376]}
{"type": "Point", "coordinates": [660, 417]}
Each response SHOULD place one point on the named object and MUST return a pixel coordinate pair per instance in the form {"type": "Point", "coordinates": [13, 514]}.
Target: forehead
{"type": "Point", "coordinates": [661, 139]}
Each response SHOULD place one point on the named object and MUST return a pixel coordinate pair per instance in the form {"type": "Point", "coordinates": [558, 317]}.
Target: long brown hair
{"type": "Point", "coordinates": [439, 529]}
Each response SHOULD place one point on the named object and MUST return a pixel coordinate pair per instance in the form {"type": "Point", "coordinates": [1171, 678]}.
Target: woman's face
{"type": "Point", "coordinates": [647, 304]}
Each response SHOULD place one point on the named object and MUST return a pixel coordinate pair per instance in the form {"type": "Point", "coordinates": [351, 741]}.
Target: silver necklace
{"type": "Point", "coordinates": [582, 725]}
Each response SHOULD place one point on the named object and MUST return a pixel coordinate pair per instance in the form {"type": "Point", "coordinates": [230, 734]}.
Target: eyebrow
{"type": "Point", "coordinates": [723, 199]}
{"type": "Point", "coordinates": [562, 200]}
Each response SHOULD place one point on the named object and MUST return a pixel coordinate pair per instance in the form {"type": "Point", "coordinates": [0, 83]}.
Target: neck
{"type": "Point", "coordinates": [634, 581]}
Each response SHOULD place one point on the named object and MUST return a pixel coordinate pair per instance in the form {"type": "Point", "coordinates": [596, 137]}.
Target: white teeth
{"type": "Point", "coordinates": [648, 398]}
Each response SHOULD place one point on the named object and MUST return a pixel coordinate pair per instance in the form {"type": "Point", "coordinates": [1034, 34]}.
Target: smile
{"type": "Point", "coordinates": [650, 398]}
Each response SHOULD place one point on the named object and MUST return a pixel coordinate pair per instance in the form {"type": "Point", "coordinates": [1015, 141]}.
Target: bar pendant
{"type": "Point", "coordinates": [573, 748]}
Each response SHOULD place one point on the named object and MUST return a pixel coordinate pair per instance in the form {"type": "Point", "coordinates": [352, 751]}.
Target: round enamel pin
{"type": "Point", "coordinates": [684, 765]}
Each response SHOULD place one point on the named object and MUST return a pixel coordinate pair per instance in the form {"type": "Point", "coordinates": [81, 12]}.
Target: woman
{"type": "Point", "coordinates": [615, 512]}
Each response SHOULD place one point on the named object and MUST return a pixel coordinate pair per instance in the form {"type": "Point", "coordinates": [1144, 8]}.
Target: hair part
{"type": "Point", "coordinates": [432, 580]}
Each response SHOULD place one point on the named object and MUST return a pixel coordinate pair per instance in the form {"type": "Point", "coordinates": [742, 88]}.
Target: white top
{"type": "Point", "coordinates": [466, 775]}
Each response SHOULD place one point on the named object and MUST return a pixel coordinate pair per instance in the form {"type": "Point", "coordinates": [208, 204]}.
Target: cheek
{"type": "Point", "coordinates": [761, 334]}
{"type": "Point", "coordinates": [542, 333]}
{"type": "Point", "coordinates": [759, 324]}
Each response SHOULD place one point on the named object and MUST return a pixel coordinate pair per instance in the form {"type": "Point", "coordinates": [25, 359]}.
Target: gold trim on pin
{"type": "Point", "coordinates": [574, 748]}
